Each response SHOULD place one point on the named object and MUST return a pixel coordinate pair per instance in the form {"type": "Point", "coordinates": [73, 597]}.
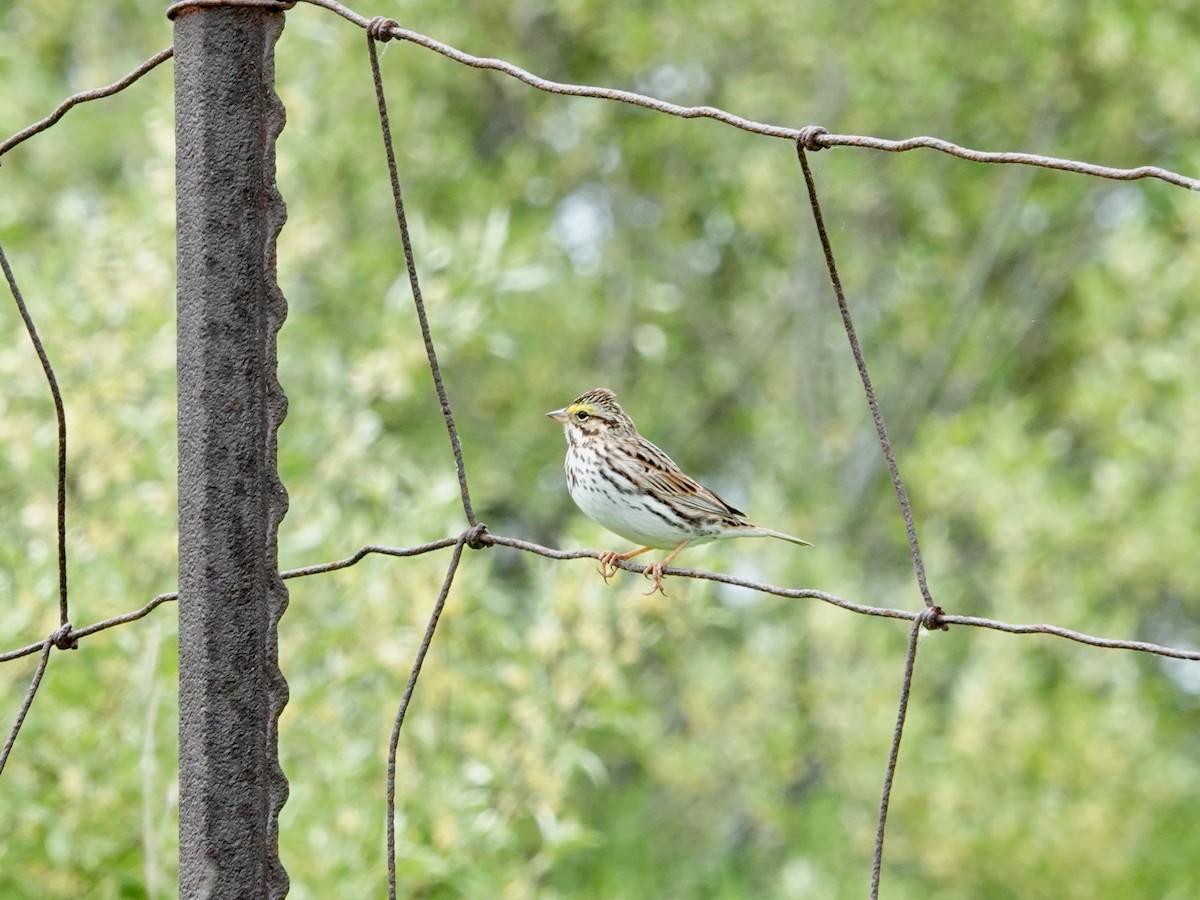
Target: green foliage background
{"type": "Point", "coordinates": [1033, 337]}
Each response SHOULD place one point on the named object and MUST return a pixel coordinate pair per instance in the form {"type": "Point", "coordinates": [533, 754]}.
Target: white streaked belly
{"type": "Point", "coordinates": [639, 518]}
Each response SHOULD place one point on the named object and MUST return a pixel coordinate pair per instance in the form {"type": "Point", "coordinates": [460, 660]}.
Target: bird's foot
{"type": "Point", "coordinates": [608, 564]}
{"type": "Point", "coordinates": [655, 571]}
{"type": "Point", "coordinates": [609, 559]}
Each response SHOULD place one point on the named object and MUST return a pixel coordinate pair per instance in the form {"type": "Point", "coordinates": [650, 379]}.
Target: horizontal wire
{"type": "Point", "coordinates": [1068, 634]}
{"type": "Point", "coordinates": [496, 540]}
{"type": "Point", "coordinates": [819, 141]}
{"type": "Point", "coordinates": [82, 97]}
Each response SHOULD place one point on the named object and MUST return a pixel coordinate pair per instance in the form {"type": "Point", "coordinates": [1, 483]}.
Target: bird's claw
{"type": "Point", "coordinates": [655, 571]}
{"type": "Point", "coordinates": [608, 564]}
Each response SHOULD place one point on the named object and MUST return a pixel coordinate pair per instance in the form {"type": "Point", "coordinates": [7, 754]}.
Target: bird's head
{"type": "Point", "coordinates": [596, 414]}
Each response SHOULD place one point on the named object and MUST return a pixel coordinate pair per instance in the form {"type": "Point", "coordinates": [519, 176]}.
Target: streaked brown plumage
{"type": "Point", "coordinates": [628, 485]}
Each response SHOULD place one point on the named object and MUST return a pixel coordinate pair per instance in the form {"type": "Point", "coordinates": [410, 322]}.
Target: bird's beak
{"type": "Point", "coordinates": [559, 415]}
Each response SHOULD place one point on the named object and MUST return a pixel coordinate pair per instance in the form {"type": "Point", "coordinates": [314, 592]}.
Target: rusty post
{"type": "Point", "coordinates": [231, 500]}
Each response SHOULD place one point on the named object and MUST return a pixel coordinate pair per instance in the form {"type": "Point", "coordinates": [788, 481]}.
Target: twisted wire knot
{"type": "Point", "coordinates": [64, 638]}
{"type": "Point", "coordinates": [380, 28]}
{"type": "Point", "coordinates": [477, 537]}
{"type": "Point", "coordinates": [809, 138]}
{"type": "Point", "coordinates": [931, 618]}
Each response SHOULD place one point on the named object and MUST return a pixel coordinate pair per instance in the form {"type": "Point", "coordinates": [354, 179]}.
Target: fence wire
{"type": "Point", "coordinates": [476, 536]}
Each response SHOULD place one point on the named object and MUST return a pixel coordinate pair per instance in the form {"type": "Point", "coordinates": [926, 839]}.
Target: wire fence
{"type": "Point", "coordinates": [476, 536]}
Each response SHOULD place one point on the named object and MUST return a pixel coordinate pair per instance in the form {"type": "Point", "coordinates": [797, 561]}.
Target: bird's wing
{"type": "Point", "coordinates": [667, 482]}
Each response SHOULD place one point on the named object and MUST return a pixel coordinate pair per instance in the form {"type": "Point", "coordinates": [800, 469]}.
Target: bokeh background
{"type": "Point", "coordinates": [1033, 336]}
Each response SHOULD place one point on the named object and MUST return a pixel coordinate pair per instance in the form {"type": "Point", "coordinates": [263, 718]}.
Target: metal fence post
{"type": "Point", "coordinates": [231, 501]}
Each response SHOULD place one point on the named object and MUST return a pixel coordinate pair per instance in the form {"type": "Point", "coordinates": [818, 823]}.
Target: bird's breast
{"type": "Point", "coordinates": [611, 499]}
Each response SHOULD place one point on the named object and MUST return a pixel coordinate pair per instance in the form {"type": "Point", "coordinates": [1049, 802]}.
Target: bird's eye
{"type": "Point", "coordinates": [581, 415]}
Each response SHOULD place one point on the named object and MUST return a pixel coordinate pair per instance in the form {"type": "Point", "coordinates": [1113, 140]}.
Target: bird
{"type": "Point", "coordinates": [631, 487]}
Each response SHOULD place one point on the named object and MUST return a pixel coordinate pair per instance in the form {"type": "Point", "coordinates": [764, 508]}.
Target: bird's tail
{"type": "Point", "coordinates": [767, 532]}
